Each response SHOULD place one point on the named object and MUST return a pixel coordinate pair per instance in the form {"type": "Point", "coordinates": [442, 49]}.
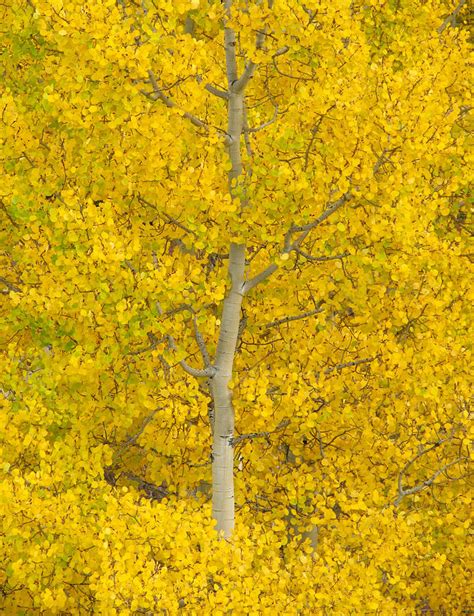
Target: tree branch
{"type": "Point", "coordinates": [349, 364]}
{"type": "Point", "coordinates": [154, 342]}
{"type": "Point", "coordinates": [169, 219]}
{"type": "Point", "coordinates": [132, 439]}
{"type": "Point", "coordinates": [290, 245]}
{"type": "Point", "coordinates": [451, 19]}
{"type": "Point", "coordinates": [10, 286]}
{"type": "Point", "coordinates": [321, 259]}
{"type": "Point", "coordinates": [263, 275]}
{"type": "Point", "coordinates": [281, 51]}
{"type": "Point", "coordinates": [402, 492]}
{"type": "Point", "coordinates": [216, 91]}
{"type": "Point", "coordinates": [239, 85]}
{"type": "Point", "coordinates": [152, 491]}
{"type": "Point", "coordinates": [242, 437]}
{"type": "Point", "coordinates": [210, 371]}
{"type": "Point", "coordinates": [158, 94]}
{"type": "Point", "coordinates": [427, 483]}
{"type": "Point", "coordinates": [283, 320]}
{"type": "Point", "coordinates": [305, 229]}
{"type": "Point", "coordinates": [212, 89]}
{"type": "Point", "coordinates": [265, 124]}
{"type": "Point", "coordinates": [201, 344]}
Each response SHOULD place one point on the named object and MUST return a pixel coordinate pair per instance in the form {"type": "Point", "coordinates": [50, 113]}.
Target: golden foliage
{"type": "Point", "coordinates": [351, 387]}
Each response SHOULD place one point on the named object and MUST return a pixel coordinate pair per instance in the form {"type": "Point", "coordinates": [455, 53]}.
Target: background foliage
{"type": "Point", "coordinates": [351, 386]}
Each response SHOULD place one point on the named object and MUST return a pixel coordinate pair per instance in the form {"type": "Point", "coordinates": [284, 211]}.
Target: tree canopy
{"type": "Point", "coordinates": [302, 171]}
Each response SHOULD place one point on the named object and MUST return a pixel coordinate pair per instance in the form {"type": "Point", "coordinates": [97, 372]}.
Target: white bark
{"type": "Point", "coordinates": [223, 434]}
{"type": "Point", "coordinates": [223, 448]}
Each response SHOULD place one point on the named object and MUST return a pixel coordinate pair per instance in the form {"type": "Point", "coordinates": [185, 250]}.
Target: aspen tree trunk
{"type": "Point", "coordinates": [223, 433]}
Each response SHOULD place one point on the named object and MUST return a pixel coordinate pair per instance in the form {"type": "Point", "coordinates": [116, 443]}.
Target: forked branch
{"type": "Point", "coordinates": [158, 94]}
{"type": "Point", "coordinates": [291, 244]}
{"type": "Point", "coordinates": [451, 19]}
{"type": "Point", "coordinates": [210, 371]}
{"type": "Point", "coordinates": [402, 492]}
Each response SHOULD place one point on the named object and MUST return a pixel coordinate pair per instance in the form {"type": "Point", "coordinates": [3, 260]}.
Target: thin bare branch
{"type": "Point", "coordinates": [201, 344]}
{"type": "Point", "coordinates": [329, 211]}
{"type": "Point", "coordinates": [253, 435]}
{"type": "Point", "coordinates": [265, 124]}
{"type": "Point", "coordinates": [427, 483]}
{"type": "Point", "coordinates": [167, 217]}
{"type": "Point", "coordinates": [290, 245]}
{"type": "Point", "coordinates": [451, 19]}
{"type": "Point", "coordinates": [216, 91]}
{"type": "Point", "coordinates": [210, 371]}
{"type": "Point", "coordinates": [323, 258]}
{"type": "Point", "coordinates": [263, 275]}
{"type": "Point", "coordinates": [151, 490]}
{"type": "Point", "coordinates": [206, 373]}
{"type": "Point", "coordinates": [281, 51]}
{"type": "Point", "coordinates": [349, 364]}
{"type": "Point", "coordinates": [158, 94]}
{"type": "Point", "coordinates": [298, 317]}
{"type": "Point", "coordinates": [154, 342]}
{"type": "Point", "coordinates": [10, 286]}
{"type": "Point", "coordinates": [197, 334]}
{"type": "Point", "coordinates": [213, 90]}
{"type": "Point", "coordinates": [4, 208]}
{"type": "Point", "coordinates": [413, 460]}
{"type": "Point", "coordinates": [133, 439]}
{"type": "Point", "coordinates": [314, 132]}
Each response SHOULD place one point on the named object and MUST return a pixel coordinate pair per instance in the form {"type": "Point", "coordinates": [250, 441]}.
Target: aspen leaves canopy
{"type": "Point", "coordinates": [258, 212]}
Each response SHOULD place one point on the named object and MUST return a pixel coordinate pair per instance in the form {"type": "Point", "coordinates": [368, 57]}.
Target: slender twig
{"type": "Point", "coordinates": [314, 132]}
{"type": "Point", "coordinates": [417, 457]}
{"type": "Point", "coordinates": [213, 90]}
{"type": "Point", "coordinates": [323, 258]}
{"type": "Point", "coordinates": [451, 19]}
{"type": "Point", "coordinates": [133, 439]}
{"type": "Point", "coordinates": [154, 342]}
{"type": "Point", "coordinates": [169, 219]}
{"type": "Point", "coordinates": [265, 124]}
{"type": "Point", "coordinates": [402, 492]}
{"type": "Point", "coordinates": [10, 286]}
{"type": "Point", "coordinates": [151, 490]}
{"type": "Point", "coordinates": [210, 371]}
{"type": "Point", "coordinates": [158, 94]}
{"type": "Point", "coordinates": [201, 344]}
{"type": "Point", "coordinates": [305, 229]}
{"type": "Point", "coordinates": [290, 245]}
{"type": "Point", "coordinates": [349, 364]}
{"type": "Point", "coordinates": [243, 437]}
{"type": "Point", "coordinates": [253, 435]}
{"type": "Point", "coordinates": [197, 334]}
{"type": "Point", "coordinates": [281, 51]}
{"type": "Point", "coordinates": [283, 320]}
{"type": "Point", "coordinates": [4, 208]}
{"type": "Point", "coordinates": [216, 91]}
